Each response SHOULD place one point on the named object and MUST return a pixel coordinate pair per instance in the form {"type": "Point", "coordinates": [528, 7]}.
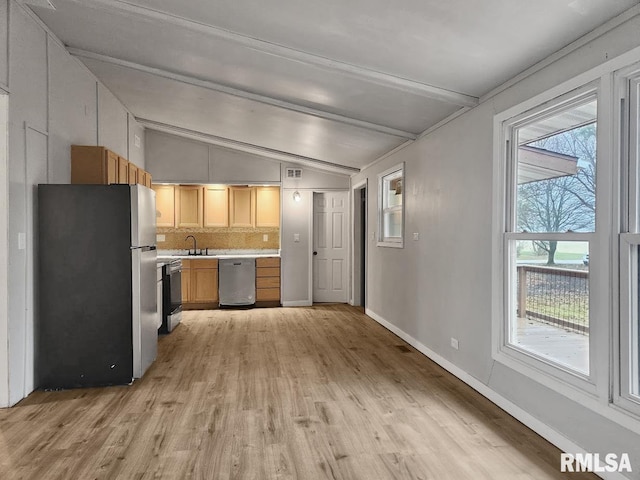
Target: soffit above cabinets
{"type": "Point", "coordinates": [334, 81]}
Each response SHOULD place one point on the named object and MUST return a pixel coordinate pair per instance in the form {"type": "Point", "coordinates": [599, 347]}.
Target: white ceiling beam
{"type": "Point", "coordinates": [243, 94]}
{"type": "Point", "coordinates": [354, 71]}
{"type": "Point", "coordinates": [247, 147]}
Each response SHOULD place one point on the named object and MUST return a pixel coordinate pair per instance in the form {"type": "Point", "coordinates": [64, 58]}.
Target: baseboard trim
{"type": "Point", "coordinates": [298, 303]}
{"type": "Point", "coordinates": [541, 428]}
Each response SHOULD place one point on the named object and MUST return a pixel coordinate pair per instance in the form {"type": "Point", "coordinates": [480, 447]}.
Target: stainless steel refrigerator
{"type": "Point", "coordinates": [97, 318]}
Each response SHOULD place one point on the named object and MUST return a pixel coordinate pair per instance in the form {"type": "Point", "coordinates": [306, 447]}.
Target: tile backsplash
{"type": "Point", "coordinates": [220, 238]}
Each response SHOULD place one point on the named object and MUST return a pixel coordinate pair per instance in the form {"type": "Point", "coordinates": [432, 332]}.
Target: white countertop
{"type": "Point", "coordinates": [219, 254]}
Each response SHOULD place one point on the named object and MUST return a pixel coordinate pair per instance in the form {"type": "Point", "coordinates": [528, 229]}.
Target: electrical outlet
{"type": "Point", "coordinates": [265, 237]}
{"type": "Point", "coordinates": [22, 241]}
{"type": "Point", "coordinates": [454, 343]}
{"type": "Point", "coordinates": [416, 236]}
{"type": "Point", "coordinates": [160, 238]}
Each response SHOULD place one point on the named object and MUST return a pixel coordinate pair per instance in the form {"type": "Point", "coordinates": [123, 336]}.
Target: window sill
{"type": "Point", "coordinates": [390, 244]}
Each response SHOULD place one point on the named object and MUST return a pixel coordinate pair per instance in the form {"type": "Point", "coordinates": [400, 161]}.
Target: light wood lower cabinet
{"type": "Point", "coordinates": [200, 283]}
{"type": "Point", "coordinates": [204, 281]}
{"type": "Point", "coordinates": [267, 281]}
{"type": "Point", "coordinates": [186, 281]}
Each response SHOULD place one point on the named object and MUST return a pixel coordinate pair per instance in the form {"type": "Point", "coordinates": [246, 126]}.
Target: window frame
{"type": "Point", "coordinates": [382, 241]}
{"type": "Point", "coordinates": [526, 362]}
{"type": "Point", "coordinates": [628, 97]}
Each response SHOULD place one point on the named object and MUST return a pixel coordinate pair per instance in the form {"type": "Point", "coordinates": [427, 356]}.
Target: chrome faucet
{"type": "Point", "coordinates": [195, 244]}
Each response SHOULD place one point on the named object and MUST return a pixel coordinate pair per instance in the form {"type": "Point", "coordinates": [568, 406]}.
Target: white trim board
{"type": "Point", "coordinates": [298, 303]}
{"type": "Point", "coordinates": [542, 429]}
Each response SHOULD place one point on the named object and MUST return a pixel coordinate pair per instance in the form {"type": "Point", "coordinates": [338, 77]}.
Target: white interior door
{"type": "Point", "coordinates": [330, 251]}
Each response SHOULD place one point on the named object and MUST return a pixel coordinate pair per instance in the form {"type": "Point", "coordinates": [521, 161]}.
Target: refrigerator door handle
{"type": "Point", "coordinates": [145, 249]}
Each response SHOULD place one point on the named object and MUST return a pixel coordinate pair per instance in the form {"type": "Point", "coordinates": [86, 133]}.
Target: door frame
{"type": "Point", "coordinates": [349, 259]}
{"type": "Point", "coordinates": [357, 244]}
{"type": "Point", "coordinates": [4, 249]}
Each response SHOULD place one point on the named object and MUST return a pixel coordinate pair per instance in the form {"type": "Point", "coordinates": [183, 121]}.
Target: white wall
{"type": "Point", "coordinates": [175, 159]}
{"type": "Point", "coordinates": [27, 111]}
{"type": "Point", "coordinates": [113, 126]}
{"type": "Point", "coordinates": [179, 160]}
{"type": "Point", "coordinates": [136, 143]}
{"type": "Point", "coordinates": [440, 286]}
{"type": "Point", "coordinates": [297, 219]}
{"type": "Point", "coordinates": [72, 111]}
{"type": "Point", "coordinates": [4, 42]}
{"type": "Point", "coordinates": [53, 103]}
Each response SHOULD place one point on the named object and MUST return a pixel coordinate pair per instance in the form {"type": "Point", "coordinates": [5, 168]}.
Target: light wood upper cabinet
{"type": "Point", "coordinates": [112, 167]}
{"type": "Point", "coordinates": [93, 165]}
{"type": "Point", "coordinates": [144, 178]}
{"type": "Point", "coordinates": [123, 170]}
{"type": "Point", "coordinates": [165, 205]}
{"type": "Point", "coordinates": [216, 206]}
{"type": "Point", "coordinates": [133, 174]}
{"type": "Point", "coordinates": [267, 206]}
{"type": "Point", "coordinates": [242, 207]}
{"type": "Point", "coordinates": [188, 206]}
{"type": "Point", "coordinates": [99, 165]}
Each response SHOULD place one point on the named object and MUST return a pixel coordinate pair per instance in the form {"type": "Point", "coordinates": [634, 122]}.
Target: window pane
{"type": "Point", "coordinates": [393, 224]}
{"type": "Point", "coordinates": [556, 172]}
{"type": "Point", "coordinates": [550, 311]}
{"type": "Point", "coordinates": [635, 334]}
{"type": "Point", "coordinates": [390, 211]}
{"type": "Point", "coordinates": [392, 191]}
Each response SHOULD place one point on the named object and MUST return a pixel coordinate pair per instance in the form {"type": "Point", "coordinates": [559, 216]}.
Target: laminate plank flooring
{"type": "Point", "coordinates": [287, 393]}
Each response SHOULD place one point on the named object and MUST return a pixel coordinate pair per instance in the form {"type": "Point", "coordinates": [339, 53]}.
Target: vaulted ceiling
{"type": "Point", "coordinates": [336, 82]}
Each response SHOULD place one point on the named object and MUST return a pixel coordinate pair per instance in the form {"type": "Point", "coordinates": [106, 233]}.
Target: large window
{"type": "Point", "coordinates": [629, 332]}
{"type": "Point", "coordinates": [550, 228]}
{"type": "Point", "coordinates": [391, 207]}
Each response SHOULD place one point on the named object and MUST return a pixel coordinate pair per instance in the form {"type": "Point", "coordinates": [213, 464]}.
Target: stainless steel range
{"type": "Point", "coordinates": [171, 295]}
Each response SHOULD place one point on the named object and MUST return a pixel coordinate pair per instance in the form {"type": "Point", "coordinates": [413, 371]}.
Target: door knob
{"type": "Point", "coordinates": [315, 253]}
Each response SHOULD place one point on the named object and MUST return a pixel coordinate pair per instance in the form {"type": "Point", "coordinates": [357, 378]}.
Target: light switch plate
{"type": "Point", "coordinates": [454, 343]}
{"type": "Point", "coordinates": [416, 236]}
{"type": "Point", "coordinates": [22, 241]}
{"type": "Point", "coordinates": [296, 237]}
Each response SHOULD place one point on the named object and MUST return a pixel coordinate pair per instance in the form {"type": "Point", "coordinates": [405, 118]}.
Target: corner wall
{"type": "Point", "coordinates": [441, 286]}
{"type": "Point", "coordinates": [53, 103]}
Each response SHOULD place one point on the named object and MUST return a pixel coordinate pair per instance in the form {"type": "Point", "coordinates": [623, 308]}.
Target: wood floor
{"type": "Point", "coordinates": [296, 393]}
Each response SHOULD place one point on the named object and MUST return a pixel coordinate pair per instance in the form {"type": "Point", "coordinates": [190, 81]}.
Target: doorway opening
{"type": "Point", "coordinates": [359, 287]}
{"type": "Point", "coordinates": [330, 247]}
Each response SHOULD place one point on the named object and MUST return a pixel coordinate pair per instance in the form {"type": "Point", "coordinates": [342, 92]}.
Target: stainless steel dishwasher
{"type": "Point", "coordinates": [237, 277]}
